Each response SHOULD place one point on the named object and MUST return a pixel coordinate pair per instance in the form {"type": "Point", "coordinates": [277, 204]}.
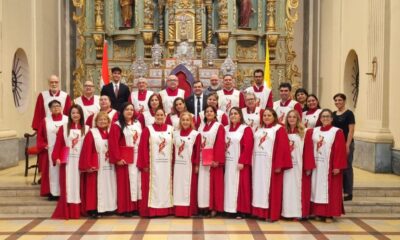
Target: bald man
{"type": "Point", "coordinates": [214, 85]}
{"type": "Point", "coordinates": [169, 94]}
{"type": "Point", "coordinates": [88, 101]}
{"type": "Point", "coordinates": [43, 99]}
{"type": "Point", "coordinates": [140, 97]}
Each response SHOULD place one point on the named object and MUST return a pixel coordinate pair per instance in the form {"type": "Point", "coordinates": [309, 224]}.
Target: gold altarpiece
{"type": "Point", "coordinates": [170, 22]}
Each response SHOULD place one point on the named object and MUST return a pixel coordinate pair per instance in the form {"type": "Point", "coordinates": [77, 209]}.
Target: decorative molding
{"type": "Point", "coordinates": [247, 53]}
{"type": "Point", "coordinates": [79, 73]}
{"type": "Point", "coordinates": [292, 70]}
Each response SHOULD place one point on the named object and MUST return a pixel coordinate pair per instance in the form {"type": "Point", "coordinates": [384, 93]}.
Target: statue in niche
{"type": "Point", "coordinates": [245, 12]}
{"type": "Point", "coordinates": [126, 12]}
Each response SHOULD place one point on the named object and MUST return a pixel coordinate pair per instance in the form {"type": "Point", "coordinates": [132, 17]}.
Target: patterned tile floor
{"type": "Point", "coordinates": [196, 228]}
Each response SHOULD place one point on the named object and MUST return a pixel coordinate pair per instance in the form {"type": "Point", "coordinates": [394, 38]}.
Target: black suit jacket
{"type": "Point", "coordinates": [123, 94]}
{"type": "Point", "coordinates": [192, 100]}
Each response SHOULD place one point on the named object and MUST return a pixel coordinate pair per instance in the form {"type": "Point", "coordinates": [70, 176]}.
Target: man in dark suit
{"type": "Point", "coordinates": [197, 102]}
{"type": "Point", "coordinates": [117, 91]}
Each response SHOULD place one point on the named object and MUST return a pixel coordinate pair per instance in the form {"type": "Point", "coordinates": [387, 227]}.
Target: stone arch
{"type": "Point", "coordinates": [351, 79]}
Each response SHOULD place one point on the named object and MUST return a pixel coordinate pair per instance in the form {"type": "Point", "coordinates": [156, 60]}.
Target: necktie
{"type": "Point", "coordinates": [198, 106]}
{"type": "Point", "coordinates": [116, 91]}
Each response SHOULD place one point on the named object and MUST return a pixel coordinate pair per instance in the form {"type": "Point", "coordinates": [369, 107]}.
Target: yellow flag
{"type": "Point", "coordinates": [267, 75]}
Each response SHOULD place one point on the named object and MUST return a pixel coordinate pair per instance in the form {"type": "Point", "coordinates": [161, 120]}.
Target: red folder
{"type": "Point", "coordinates": [64, 155]}
{"type": "Point", "coordinates": [126, 154]}
{"type": "Point", "coordinates": [208, 156]}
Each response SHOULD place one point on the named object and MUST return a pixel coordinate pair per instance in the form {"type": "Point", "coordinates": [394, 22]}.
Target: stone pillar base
{"type": "Point", "coordinates": [9, 149]}
{"type": "Point", "coordinates": [373, 151]}
{"type": "Point", "coordinates": [396, 161]}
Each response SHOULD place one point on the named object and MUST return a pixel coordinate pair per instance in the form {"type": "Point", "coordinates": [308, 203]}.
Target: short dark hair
{"type": "Point", "coordinates": [258, 71]}
{"type": "Point", "coordinates": [116, 69]}
{"type": "Point", "coordinates": [285, 85]}
{"type": "Point", "coordinates": [198, 81]}
{"type": "Point", "coordinates": [300, 90]}
{"type": "Point", "coordinates": [53, 102]}
{"type": "Point", "coordinates": [341, 95]}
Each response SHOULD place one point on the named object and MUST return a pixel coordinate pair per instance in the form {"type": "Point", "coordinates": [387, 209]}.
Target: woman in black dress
{"type": "Point", "coordinates": [344, 119]}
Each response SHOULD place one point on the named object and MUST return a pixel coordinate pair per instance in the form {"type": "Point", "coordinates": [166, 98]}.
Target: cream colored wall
{"type": "Point", "coordinates": [394, 73]}
{"type": "Point", "coordinates": [32, 26]}
{"type": "Point", "coordinates": [346, 25]}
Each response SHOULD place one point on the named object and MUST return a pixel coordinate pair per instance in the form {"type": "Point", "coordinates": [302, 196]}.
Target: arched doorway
{"type": "Point", "coordinates": [351, 79]}
{"type": "Point", "coordinates": [185, 78]}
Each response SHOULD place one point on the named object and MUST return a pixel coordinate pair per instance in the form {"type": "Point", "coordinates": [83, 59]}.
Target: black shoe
{"type": "Point", "coordinates": [52, 198]}
{"type": "Point", "coordinates": [348, 197]}
{"type": "Point", "coordinates": [93, 214]}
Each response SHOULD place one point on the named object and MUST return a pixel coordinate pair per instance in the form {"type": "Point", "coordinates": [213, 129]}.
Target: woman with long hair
{"type": "Point", "coordinates": [67, 149]}
{"type": "Point", "coordinates": [239, 151]}
{"type": "Point", "coordinates": [178, 107]}
{"type": "Point", "coordinates": [155, 164]}
{"type": "Point", "coordinates": [329, 151]}
{"type": "Point", "coordinates": [123, 149]}
{"type": "Point", "coordinates": [187, 143]}
{"type": "Point", "coordinates": [212, 100]}
{"type": "Point", "coordinates": [271, 157]}
{"type": "Point", "coordinates": [99, 183]}
{"type": "Point", "coordinates": [154, 103]}
{"type": "Point", "coordinates": [297, 180]}
{"type": "Point", "coordinates": [211, 168]}
{"type": "Point", "coordinates": [311, 115]}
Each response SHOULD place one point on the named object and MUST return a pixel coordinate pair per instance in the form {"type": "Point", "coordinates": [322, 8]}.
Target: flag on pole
{"type": "Point", "coordinates": [267, 75]}
{"type": "Point", "coordinates": [104, 66]}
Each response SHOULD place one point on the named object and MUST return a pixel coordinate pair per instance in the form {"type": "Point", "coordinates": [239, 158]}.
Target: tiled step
{"type": "Point", "coordinates": [26, 205]}
{"type": "Point", "coordinates": [19, 191]}
{"type": "Point", "coordinates": [376, 191]}
{"type": "Point", "coordinates": [389, 205]}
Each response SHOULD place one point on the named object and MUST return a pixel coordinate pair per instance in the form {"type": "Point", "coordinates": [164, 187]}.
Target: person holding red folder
{"type": "Point", "coordinates": [187, 143]}
{"type": "Point", "coordinates": [211, 167]}
{"type": "Point", "coordinates": [98, 180]}
{"type": "Point", "coordinates": [155, 163]}
{"type": "Point", "coordinates": [66, 153]}
{"type": "Point", "coordinates": [123, 147]}
{"type": "Point", "coordinates": [271, 156]}
{"type": "Point", "coordinates": [239, 151]}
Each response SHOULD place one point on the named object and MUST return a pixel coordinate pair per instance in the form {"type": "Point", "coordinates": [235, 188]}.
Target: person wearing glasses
{"type": "Point", "coordinates": [329, 152]}
{"type": "Point", "coordinates": [169, 94]}
{"type": "Point", "coordinates": [46, 138]}
{"type": "Point", "coordinates": [89, 102]}
{"type": "Point", "coordinates": [45, 97]}
{"type": "Point", "coordinates": [252, 114]}
{"type": "Point", "coordinates": [263, 93]}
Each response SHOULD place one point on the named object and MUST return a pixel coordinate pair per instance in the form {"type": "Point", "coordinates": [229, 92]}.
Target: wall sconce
{"type": "Point", "coordinates": [374, 68]}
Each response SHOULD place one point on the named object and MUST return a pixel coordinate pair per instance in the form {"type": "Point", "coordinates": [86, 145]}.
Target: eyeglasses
{"type": "Point", "coordinates": [88, 85]}
{"type": "Point", "coordinates": [326, 116]}
{"type": "Point", "coordinates": [172, 80]}
{"type": "Point", "coordinates": [250, 99]}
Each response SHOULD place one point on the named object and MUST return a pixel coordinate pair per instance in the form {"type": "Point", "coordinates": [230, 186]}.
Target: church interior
{"type": "Point", "coordinates": [325, 47]}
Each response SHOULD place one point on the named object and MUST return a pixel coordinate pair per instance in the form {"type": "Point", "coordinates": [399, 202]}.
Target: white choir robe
{"type": "Point", "coordinates": [168, 99]}
{"type": "Point", "coordinates": [89, 106]}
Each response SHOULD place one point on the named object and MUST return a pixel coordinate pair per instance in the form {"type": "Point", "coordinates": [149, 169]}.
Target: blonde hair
{"type": "Point", "coordinates": [100, 115]}
{"type": "Point", "coordinates": [190, 119]}
{"type": "Point", "coordinates": [299, 125]}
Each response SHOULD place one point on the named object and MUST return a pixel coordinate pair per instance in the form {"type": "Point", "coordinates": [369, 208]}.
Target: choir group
{"type": "Point", "coordinates": [235, 153]}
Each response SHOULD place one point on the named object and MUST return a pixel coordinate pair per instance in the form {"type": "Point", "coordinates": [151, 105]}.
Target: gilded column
{"type": "Point", "coordinates": [98, 35]}
{"type": "Point", "coordinates": [161, 22]}
{"type": "Point", "coordinates": [272, 35]}
{"type": "Point", "coordinates": [79, 72]}
{"type": "Point", "coordinates": [223, 32]}
{"type": "Point", "coordinates": [148, 27]}
{"type": "Point", "coordinates": [292, 70]}
{"type": "Point", "coordinates": [171, 28]}
{"type": "Point", "coordinates": [209, 9]}
{"type": "Point", "coordinates": [198, 28]}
